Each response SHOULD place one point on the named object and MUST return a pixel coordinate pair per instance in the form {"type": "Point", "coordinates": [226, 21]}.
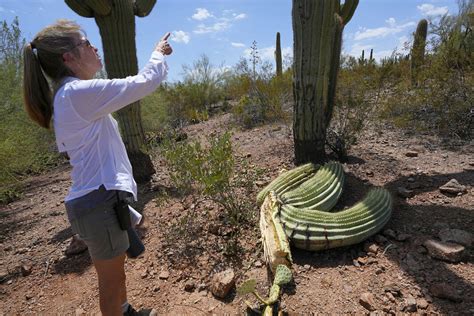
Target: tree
{"type": "Point", "coordinates": [116, 22]}
{"type": "Point", "coordinates": [317, 33]}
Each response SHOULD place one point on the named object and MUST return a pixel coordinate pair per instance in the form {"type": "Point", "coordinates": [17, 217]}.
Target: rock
{"type": "Point", "coordinates": [222, 283]}
{"type": "Point", "coordinates": [367, 300]}
{"type": "Point", "coordinates": [144, 273]}
{"type": "Point", "coordinates": [453, 187]}
{"type": "Point", "coordinates": [444, 291]}
{"type": "Point", "coordinates": [202, 287]}
{"type": "Point", "coordinates": [391, 287]}
{"type": "Point", "coordinates": [3, 275]}
{"type": "Point", "coordinates": [410, 304]}
{"type": "Point", "coordinates": [80, 312]}
{"type": "Point", "coordinates": [445, 251]}
{"type": "Point", "coordinates": [411, 153]}
{"type": "Point", "coordinates": [421, 303]}
{"type": "Point", "coordinates": [164, 275]}
{"type": "Point", "coordinates": [347, 288]}
{"type": "Point", "coordinates": [189, 286]}
{"type": "Point", "coordinates": [389, 233]}
{"type": "Point", "coordinates": [258, 264]}
{"type": "Point", "coordinates": [390, 297]}
{"type": "Point", "coordinates": [457, 236]}
{"type": "Point", "coordinates": [404, 192]}
{"type": "Point", "coordinates": [76, 246]}
{"type": "Point", "coordinates": [156, 288]}
{"type": "Point", "coordinates": [371, 248]}
{"type": "Point", "coordinates": [25, 270]}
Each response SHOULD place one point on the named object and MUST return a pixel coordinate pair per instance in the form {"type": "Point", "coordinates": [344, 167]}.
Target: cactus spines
{"type": "Point", "coordinates": [278, 55]}
{"type": "Point", "coordinates": [418, 49]}
{"type": "Point", "coordinates": [116, 22]}
{"type": "Point", "coordinates": [317, 33]}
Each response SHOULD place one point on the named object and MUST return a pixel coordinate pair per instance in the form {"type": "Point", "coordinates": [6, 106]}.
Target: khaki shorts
{"type": "Point", "coordinates": [94, 220]}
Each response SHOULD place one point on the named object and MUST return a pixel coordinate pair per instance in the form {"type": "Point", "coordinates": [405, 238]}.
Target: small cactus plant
{"type": "Point", "coordinates": [418, 50]}
{"type": "Point", "coordinates": [283, 276]}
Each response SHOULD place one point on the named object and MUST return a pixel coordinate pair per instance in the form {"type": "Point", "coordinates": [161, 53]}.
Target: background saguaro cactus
{"type": "Point", "coordinates": [317, 33]}
{"type": "Point", "coordinates": [116, 22]}
{"type": "Point", "coordinates": [418, 49]}
{"type": "Point", "coordinates": [278, 55]}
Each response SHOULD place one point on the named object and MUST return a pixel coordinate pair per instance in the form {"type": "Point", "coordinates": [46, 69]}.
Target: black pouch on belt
{"type": "Point", "coordinates": [123, 213]}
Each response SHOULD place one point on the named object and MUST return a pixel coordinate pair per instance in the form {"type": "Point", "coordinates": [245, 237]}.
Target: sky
{"type": "Point", "coordinates": [225, 29]}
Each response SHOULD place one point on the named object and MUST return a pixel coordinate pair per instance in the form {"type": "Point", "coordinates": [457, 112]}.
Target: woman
{"type": "Point", "coordinates": [84, 128]}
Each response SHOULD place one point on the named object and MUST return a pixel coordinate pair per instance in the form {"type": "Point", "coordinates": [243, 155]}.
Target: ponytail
{"type": "Point", "coordinates": [36, 90]}
{"type": "Point", "coordinates": [43, 60]}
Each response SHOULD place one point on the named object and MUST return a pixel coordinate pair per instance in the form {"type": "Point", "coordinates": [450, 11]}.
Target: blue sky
{"type": "Point", "coordinates": [225, 29]}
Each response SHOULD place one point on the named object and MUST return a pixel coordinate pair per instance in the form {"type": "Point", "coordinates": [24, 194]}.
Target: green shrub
{"type": "Point", "coordinates": [210, 171]}
{"type": "Point", "coordinates": [25, 148]}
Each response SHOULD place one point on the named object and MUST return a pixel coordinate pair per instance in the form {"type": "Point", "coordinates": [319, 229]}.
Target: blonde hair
{"type": "Point", "coordinates": [44, 56]}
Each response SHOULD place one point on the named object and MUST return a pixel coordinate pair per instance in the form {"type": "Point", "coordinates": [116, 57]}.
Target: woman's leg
{"type": "Point", "coordinates": [112, 289]}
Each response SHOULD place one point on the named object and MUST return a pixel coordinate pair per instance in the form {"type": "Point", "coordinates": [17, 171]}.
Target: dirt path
{"type": "Point", "coordinates": [398, 277]}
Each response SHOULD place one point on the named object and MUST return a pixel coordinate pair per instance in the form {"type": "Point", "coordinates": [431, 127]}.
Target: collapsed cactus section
{"type": "Point", "coordinates": [287, 181]}
{"type": "Point", "coordinates": [306, 197]}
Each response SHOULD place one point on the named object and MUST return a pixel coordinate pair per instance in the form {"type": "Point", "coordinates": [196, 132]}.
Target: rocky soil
{"type": "Point", "coordinates": [422, 262]}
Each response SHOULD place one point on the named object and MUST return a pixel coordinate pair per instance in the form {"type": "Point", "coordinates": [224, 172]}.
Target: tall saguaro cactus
{"type": "Point", "coordinates": [116, 22]}
{"type": "Point", "coordinates": [278, 55]}
{"type": "Point", "coordinates": [418, 49]}
{"type": "Point", "coordinates": [317, 33]}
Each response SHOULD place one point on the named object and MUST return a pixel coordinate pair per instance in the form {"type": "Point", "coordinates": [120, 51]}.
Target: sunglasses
{"type": "Point", "coordinates": [84, 42]}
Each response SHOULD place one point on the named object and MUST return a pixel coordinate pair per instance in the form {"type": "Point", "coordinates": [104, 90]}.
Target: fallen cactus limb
{"type": "Point", "coordinates": [287, 181]}
{"type": "Point", "coordinates": [316, 230]}
{"type": "Point", "coordinates": [321, 191]}
{"type": "Point", "coordinates": [302, 211]}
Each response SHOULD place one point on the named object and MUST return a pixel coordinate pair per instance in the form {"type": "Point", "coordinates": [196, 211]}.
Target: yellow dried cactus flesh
{"type": "Point", "coordinates": [320, 192]}
{"type": "Point", "coordinates": [316, 230]}
{"type": "Point", "coordinates": [288, 180]}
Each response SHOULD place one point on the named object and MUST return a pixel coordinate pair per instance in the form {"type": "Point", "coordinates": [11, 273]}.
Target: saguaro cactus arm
{"type": "Point", "coordinates": [80, 7]}
{"type": "Point", "coordinates": [142, 8]}
{"type": "Point", "coordinates": [347, 10]}
{"type": "Point", "coordinates": [278, 55]}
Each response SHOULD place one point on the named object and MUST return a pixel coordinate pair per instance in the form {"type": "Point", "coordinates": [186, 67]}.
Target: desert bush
{"type": "Point", "coordinates": [189, 101]}
{"type": "Point", "coordinates": [442, 102]}
{"type": "Point", "coordinates": [263, 97]}
{"type": "Point", "coordinates": [211, 172]}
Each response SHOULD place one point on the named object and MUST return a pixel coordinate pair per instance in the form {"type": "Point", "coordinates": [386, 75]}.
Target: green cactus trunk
{"type": "Point", "coordinates": [117, 29]}
{"type": "Point", "coordinates": [317, 33]}
{"type": "Point", "coordinates": [418, 50]}
{"type": "Point", "coordinates": [278, 55]}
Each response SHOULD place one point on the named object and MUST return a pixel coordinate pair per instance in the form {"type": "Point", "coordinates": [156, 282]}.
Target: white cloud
{"type": "Point", "coordinates": [384, 31]}
{"type": "Point", "coordinates": [237, 44]}
{"type": "Point", "coordinates": [240, 16]}
{"type": "Point", "coordinates": [216, 27]}
{"type": "Point", "coordinates": [221, 23]}
{"type": "Point", "coordinates": [430, 10]}
{"type": "Point", "coordinates": [201, 14]}
{"type": "Point", "coordinates": [391, 22]}
{"type": "Point", "coordinates": [180, 37]}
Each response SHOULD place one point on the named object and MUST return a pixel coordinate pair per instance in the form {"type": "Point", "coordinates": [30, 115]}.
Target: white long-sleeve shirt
{"type": "Point", "coordinates": [86, 130]}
